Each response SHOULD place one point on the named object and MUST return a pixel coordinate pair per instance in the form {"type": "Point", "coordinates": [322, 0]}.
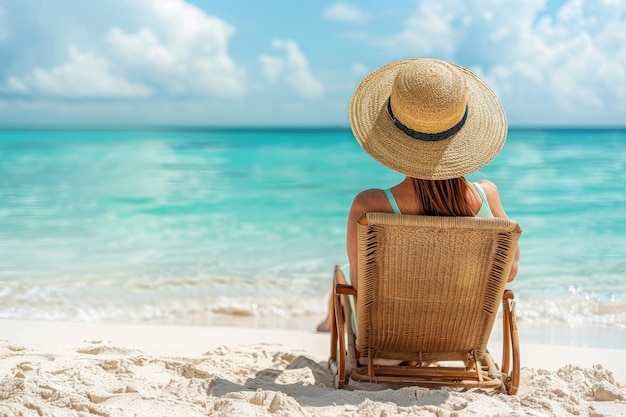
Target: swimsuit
{"type": "Point", "coordinates": [484, 211]}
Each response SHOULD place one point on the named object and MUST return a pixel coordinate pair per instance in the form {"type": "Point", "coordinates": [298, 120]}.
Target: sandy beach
{"type": "Point", "coordinates": [78, 369]}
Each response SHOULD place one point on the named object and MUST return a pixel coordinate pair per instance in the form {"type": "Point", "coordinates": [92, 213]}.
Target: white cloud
{"type": "Point", "coordinates": [273, 66]}
{"type": "Point", "coordinates": [580, 56]}
{"type": "Point", "coordinates": [184, 52]}
{"type": "Point", "coordinates": [359, 69]}
{"type": "Point", "coordinates": [346, 12]}
{"type": "Point", "coordinates": [293, 68]}
{"type": "Point", "coordinates": [143, 46]}
{"type": "Point", "coordinates": [85, 75]}
{"type": "Point", "coordinates": [568, 67]}
{"type": "Point", "coordinates": [165, 48]}
{"type": "Point", "coordinates": [429, 30]}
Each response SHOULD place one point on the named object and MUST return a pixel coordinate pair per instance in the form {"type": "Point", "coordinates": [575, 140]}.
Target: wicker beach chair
{"type": "Point", "coordinates": [429, 291]}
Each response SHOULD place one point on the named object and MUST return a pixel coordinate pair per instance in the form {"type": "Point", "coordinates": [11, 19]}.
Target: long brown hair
{"type": "Point", "coordinates": [443, 197]}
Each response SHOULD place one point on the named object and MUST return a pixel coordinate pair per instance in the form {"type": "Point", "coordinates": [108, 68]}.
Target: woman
{"type": "Point", "coordinates": [434, 122]}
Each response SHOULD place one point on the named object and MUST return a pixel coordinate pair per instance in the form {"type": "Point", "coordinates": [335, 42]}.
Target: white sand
{"type": "Point", "coordinates": [70, 369]}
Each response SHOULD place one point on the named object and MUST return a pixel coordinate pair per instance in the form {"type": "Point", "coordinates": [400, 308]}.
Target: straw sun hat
{"type": "Point", "coordinates": [427, 119]}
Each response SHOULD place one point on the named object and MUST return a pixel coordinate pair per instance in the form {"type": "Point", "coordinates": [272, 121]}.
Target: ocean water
{"type": "Point", "coordinates": [190, 225]}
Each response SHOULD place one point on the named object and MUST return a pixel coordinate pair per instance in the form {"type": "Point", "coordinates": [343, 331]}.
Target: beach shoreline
{"type": "Point", "coordinates": [193, 341]}
{"type": "Point", "coordinates": [193, 370]}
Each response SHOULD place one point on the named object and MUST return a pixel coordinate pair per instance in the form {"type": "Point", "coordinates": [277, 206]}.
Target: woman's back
{"type": "Point", "coordinates": [409, 200]}
{"type": "Point", "coordinates": [477, 199]}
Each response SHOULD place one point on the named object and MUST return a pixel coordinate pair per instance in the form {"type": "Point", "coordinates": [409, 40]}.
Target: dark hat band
{"type": "Point", "coordinates": [432, 137]}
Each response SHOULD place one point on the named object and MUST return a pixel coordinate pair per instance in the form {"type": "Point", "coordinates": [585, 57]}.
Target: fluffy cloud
{"type": "Point", "coordinates": [184, 53]}
{"type": "Point", "coordinates": [551, 62]}
{"type": "Point", "coordinates": [570, 63]}
{"type": "Point", "coordinates": [293, 68]}
{"type": "Point", "coordinates": [85, 75]}
{"type": "Point", "coordinates": [430, 30]}
{"type": "Point", "coordinates": [167, 47]}
{"type": "Point", "coordinates": [359, 69]}
{"type": "Point", "coordinates": [346, 12]}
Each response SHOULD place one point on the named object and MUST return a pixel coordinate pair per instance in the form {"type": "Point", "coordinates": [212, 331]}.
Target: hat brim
{"type": "Point", "coordinates": [474, 146]}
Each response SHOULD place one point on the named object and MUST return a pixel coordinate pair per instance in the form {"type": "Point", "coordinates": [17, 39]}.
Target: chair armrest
{"type": "Point", "coordinates": [345, 289]}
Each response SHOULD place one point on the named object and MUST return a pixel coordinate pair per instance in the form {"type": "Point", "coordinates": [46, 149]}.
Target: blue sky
{"type": "Point", "coordinates": [271, 62]}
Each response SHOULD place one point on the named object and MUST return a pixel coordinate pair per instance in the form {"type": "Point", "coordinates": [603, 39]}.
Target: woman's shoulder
{"type": "Point", "coordinates": [370, 200]}
{"type": "Point", "coordinates": [487, 186]}
{"type": "Point", "coordinates": [369, 193]}
{"type": "Point", "coordinates": [490, 189]}
{"type": "Point", "coordinates": [493, 198]}
{"type": "Point", "coordinates": [367, 196]}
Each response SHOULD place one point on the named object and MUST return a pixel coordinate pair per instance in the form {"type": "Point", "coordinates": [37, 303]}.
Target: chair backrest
{"type": "Point", "coordinates": [429, 284]}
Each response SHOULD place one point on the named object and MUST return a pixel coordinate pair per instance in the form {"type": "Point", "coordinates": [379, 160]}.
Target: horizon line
{"type": "Point", "coordinates": [225, 127]}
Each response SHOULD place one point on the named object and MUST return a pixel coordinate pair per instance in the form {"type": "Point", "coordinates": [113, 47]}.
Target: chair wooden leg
{"type": "Point", "coordinates": [337, 361]}
{"type": "Point", "coordinates": [515, 371]}
{"type": "Point", "coordinates": [340, 362]}
{"type": "Point", "coordinates": [332, 357]}
{"type": "Point", "coordinates": [341, 338]}
{"type": "Point", "coordinates": [506, 337]}
{"type": "Point", "coordinates": [351, 352]}
{"type": "Point", "coordinates": [510, 351]}
{"type": "Point", "coordinates": [333, 329]}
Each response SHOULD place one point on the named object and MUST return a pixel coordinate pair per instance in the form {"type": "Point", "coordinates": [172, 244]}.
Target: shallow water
{"type": "Point", "coordinates": [188, 225]}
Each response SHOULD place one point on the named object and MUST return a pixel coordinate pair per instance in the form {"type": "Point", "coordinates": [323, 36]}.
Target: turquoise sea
{"type": "Point", "coordinates": [193, 225]}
